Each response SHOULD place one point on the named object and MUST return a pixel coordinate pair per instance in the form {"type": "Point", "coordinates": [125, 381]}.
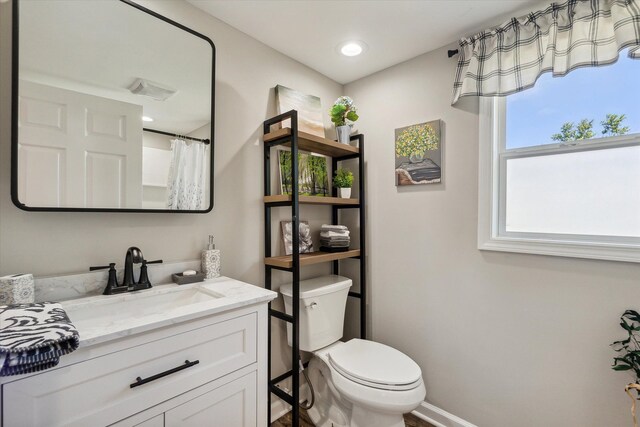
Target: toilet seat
{"type": "Point", "coordinates": [375, 365]}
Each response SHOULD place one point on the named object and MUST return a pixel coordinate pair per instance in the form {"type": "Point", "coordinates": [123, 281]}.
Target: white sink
{"type": "Point", "coordinates": [107, 317]}
{"type": "Point", "coordinates": [135, 304]}
{"type": "Point", "coordinates": [93, 316]}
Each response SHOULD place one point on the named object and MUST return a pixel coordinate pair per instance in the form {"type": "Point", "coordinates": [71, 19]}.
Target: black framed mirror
{"type": "Point", "coordinates": [112, 109]}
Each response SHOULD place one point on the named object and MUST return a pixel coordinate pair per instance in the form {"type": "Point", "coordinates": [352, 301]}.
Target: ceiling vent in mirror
{"type": "Point", "coordinates": [151, 89]}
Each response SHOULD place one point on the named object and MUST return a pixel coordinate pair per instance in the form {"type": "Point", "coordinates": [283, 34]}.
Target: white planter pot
{"type": "Point", "coordinates": [345, 193]}
{"type": "Point", "coordinates": [344, 134]}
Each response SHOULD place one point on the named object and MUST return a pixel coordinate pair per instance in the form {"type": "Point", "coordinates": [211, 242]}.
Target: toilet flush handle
{"type": "Point", "coordinates": [312, 305]}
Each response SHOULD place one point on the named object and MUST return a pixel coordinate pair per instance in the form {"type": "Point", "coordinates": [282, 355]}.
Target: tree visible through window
{"type": "Point", "coordinates": [587, 103]}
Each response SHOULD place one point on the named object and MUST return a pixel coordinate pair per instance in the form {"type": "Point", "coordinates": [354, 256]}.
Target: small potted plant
{"type": "Point", "coordinates": [628, 357]}
{"type": "Point", "coordinates": [343, 180]}
{"type": "Point", "coordinates": [343, 114]}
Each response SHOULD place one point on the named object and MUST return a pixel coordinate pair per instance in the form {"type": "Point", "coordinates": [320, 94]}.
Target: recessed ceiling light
{"type": "Point", "coordinates": [352, 48]}
{"type": "Point", "coordinates": [146, 119]}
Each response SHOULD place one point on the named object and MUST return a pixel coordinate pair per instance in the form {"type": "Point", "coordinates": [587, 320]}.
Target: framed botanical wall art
{"type": "Point", "coordinates": [305, 244]}
{"type": "Point", "coordinates": [418, 150]}
{"type": "Point", "coordinates": [308, 108]}
{"type": "Point", "coordinates": [313, 179]}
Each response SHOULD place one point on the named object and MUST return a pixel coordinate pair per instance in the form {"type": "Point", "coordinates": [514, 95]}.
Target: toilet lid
{"type": "Point", "coordinates": [375, 365]}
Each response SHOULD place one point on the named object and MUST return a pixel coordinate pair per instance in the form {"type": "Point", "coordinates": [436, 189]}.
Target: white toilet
{"type": "Point", "coordinates": [359, 383]}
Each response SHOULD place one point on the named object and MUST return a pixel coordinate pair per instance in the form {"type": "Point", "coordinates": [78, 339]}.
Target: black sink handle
{"type": "Point", "coordinates": [103, 267]}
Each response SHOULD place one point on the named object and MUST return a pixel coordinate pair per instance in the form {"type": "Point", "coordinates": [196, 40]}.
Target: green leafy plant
{"type": "Point", "coordinates": [628, 349]}
{"type": "Point", "coordinates": [628, 358]}
{"type": "Point", "coordinates": [342, 111]}
{"type": "Point", "coordinates": [343, 178]}
{"type": "Point", "coordinates": [416, 140]}
{"type": "Point", "coordinates": [611, 126]}
{"type": "Point", "coordinates": [568, 131]}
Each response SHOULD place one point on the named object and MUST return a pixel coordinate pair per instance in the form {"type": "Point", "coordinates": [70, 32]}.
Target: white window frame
{"type": "Point", "coordinates": [492, 234]}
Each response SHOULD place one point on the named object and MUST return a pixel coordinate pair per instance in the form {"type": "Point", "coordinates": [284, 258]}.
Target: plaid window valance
{"type": "Point", "coordinates": [577, 33]}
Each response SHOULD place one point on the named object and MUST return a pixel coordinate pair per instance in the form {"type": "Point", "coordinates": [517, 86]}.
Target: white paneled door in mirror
{"type": "Point", "coordinates": [81, 148]}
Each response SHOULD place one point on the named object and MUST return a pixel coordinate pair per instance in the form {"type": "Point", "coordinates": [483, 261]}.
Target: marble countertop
{"type": "Point", "coordinates": [107, 317]}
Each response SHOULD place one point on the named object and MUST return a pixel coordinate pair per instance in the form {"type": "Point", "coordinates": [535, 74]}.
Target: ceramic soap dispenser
{"type": "Point", "coordinates": [211, 260]}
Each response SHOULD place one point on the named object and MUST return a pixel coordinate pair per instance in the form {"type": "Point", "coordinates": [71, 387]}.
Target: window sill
{"type": "Point", "coordinates": [591, 250]}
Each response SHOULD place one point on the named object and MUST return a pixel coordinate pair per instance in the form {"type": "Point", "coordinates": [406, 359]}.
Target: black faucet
{"type": "Point", "coordinates": [134, 256]}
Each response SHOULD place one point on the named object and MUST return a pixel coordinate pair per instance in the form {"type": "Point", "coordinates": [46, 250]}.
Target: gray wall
{"type": "Point", "coordinates": [503, 339]}
{"type": "Point", "coordinates": [51, 243]}
{"type": "Point", "coordinates": [247, 70]}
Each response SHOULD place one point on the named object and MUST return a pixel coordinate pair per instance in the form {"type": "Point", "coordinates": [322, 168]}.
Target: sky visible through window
{"type": "Point", "coordinates": [586, 93]}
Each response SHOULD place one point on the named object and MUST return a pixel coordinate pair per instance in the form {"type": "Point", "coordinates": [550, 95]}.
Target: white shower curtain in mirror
{"type": "Point", "coordinates": [186, 184]}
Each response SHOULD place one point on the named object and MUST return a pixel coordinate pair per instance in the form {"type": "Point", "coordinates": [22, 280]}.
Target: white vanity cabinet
{"type": "Point", "coordinates": [229, 405]}
{"type": "Point", "coordinates": [93, 386]}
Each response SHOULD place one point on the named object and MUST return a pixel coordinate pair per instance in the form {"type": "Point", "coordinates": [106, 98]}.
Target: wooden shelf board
{"type": "Point", "coordinates": [312, 200]}
{"type": "Point", "coordinates": [313, 143]}
{"type": "Point", "coordinates": [311, 258]}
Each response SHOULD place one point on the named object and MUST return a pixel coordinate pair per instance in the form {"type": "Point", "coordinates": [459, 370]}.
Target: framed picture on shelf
{"type": "Point", "coordinates": [306, 243]}
{"type": "Point", "coordinates": [308, 108]}
{"type": "Point", "coordinates": [313, 179]}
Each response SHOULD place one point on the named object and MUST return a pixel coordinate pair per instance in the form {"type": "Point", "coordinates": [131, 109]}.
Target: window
{"type": "Point", "coordinates": [560, 166]}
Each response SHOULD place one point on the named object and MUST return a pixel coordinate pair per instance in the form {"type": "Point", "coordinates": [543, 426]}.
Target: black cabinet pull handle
{"type": "Point", "coordinates": [140, 381]}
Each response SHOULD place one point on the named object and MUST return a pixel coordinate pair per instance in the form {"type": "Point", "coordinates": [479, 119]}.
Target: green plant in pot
{"type": "Point", "coordinates": [628, 357]}
{"type": "Point", "coordinates": [414, 142]}
{"type": "Point", "coordinates": [343, 180]}
{"type": "Point", "coordinates": [343, 114]}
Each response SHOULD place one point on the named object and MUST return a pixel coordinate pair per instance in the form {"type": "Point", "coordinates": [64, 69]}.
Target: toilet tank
{"type": "Point", "coordinates": [322, 304]}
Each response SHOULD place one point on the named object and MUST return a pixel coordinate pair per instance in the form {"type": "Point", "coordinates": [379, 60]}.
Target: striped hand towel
{"type": "Point", "coordinates": [34, 336]}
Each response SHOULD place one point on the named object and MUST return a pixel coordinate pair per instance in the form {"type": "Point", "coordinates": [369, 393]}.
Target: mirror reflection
{"type": "Point", "coordinates": [114, 109]}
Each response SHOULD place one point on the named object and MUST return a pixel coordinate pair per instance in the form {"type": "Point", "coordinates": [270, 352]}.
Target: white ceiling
{"type": "Point", "coordinates": [100, 48]}
{"type": "Point", "coordinates": [395, 30]}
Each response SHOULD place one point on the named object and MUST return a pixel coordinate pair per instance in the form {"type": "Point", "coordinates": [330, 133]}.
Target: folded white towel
{"type": "Point", "coordinates": [334, 234]}
{"type": "Point", "coordinates": [329, 227]}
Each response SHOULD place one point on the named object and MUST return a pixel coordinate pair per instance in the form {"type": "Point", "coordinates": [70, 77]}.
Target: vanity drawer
{"type": "Point", "coordinates": [98, 391]}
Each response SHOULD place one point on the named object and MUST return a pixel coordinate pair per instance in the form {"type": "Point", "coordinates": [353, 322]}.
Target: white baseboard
{"type": "Point", "coordinates": [279, 407]}
{"type": "Point", "coordinates": [439, 417]}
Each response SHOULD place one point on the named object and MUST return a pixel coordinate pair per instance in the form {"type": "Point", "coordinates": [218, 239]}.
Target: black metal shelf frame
{"type": "Point", "coordinates": [294, 398]}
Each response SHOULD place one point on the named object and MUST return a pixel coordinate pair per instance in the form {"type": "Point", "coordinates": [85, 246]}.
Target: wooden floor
{"type": "Point", "coordinates": [285, 421]}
